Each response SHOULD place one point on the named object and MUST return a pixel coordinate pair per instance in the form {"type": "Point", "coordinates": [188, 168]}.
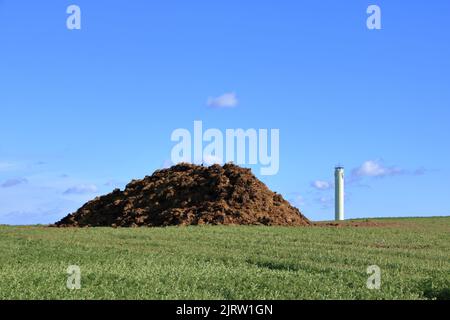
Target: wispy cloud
{"type": "Point", "coordinates": [297, 200]}
{"type": "Point", "coordinates": [325, 202]}
{"type": "Point", "coordinates": [36, 216]}
{"type": "Point", "coordinates": [370, 169]}
{"type": "Point", "coordinates": [375, 168]}
{"type": "Point", "coordinates": [42, 200]}
{"type": "Point", "coordinates": [420, 171]}
{"type": "Point", "coordinates": [13, 182]}
{"type": "Point", "coordinates": [227, 100]}
{"type": "Point", "coordinates": [7, 166]}
{"type": "Point", "coordinates": [82, 189]}
{"type": "Point", "coordinates": [321, 185]}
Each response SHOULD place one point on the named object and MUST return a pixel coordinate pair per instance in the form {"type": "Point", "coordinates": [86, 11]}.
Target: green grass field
{"type": "Point", "coordinates": [229, 262]}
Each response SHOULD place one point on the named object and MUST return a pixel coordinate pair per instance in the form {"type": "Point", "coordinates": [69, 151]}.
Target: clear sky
{"type": "Point", "coordinates": [84, 111]}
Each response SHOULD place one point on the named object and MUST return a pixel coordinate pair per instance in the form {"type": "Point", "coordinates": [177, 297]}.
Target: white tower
{"type": "Point", "coordinates": [339, 193]}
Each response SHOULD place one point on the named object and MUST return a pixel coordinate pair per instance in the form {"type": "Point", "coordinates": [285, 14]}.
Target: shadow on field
{"type": "Point", "coordinates": [437, 294]}
{"type": "Point", "coordinates": [435, 290]}
{"type": "Point", "coordinates": [274, 265]}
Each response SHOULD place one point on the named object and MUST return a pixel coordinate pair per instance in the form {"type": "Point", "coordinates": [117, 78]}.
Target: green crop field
{"type": "Point", "coordinates": [229, 262]}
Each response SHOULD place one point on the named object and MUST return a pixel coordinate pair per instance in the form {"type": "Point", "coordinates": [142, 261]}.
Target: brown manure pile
{"type": "Point", "coordinates": [188, 194]}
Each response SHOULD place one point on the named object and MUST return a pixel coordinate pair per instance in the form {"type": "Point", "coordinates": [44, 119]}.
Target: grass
{"type": "Point", "coordinates": [228, 262]}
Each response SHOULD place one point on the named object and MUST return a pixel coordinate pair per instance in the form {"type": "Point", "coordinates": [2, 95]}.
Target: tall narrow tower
{"type": "Point", "coordinates": [339, 193]}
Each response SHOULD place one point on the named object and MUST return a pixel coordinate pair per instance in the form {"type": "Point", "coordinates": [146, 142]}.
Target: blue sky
{"type": "Point", "coordinates": [84, 111]}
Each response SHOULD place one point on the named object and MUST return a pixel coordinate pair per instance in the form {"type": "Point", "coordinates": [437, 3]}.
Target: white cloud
{"type": "Point", "coordinates": [45, 198]}
{"type": "Point", "coordinates": [82, 189]}
{"type": "Point", "coordinates": [227, 100]}
{"type": "Point", "coordinates": [321, 185]}
{"type": "Point", "coordinates": [374, 168]}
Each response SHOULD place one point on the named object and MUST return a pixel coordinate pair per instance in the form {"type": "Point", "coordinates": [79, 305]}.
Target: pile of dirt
{"type": "Point", "coordinates": [188, 194]}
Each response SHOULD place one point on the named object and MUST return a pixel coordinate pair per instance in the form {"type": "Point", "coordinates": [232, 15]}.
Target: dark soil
{"type": "Point", "coordinates": [188, 194]}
